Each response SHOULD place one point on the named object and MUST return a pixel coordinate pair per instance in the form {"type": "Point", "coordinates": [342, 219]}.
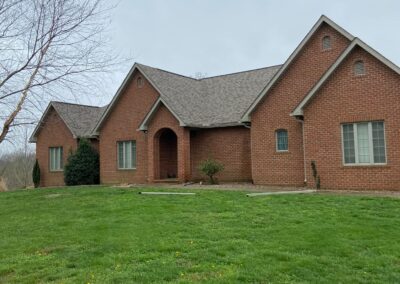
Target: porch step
{"type": "Point", "coordinates": [167, 180]}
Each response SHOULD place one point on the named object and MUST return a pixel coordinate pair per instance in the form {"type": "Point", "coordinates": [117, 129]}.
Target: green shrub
{"type": "Point", "coordinates": [83, 166]}
{"type": "Point", "coordinates": [36, 174]}
{"type": "Point", "coordinates": [210, 168]}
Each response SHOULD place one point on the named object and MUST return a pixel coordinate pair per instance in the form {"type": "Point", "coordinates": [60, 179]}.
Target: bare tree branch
{"type": "Point", "coordinates": [49, 48]}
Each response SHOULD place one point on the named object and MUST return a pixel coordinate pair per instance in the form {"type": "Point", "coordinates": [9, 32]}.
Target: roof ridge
{"type": "Point", "coordinates": [166, 71]}
{"type": "Point", "coordinates": [67, 103]}
{"type": "Point", "coordinates": [205, 78]}
{"type": "Point", "coordinates": [239, 72]}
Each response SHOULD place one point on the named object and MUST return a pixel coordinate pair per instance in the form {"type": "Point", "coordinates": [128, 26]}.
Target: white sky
{"type": "Point", "coordinates": [221, 36]}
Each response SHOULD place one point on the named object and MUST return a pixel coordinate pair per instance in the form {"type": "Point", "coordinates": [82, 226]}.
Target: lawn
{"type": "Point", "coordinates": [109, 235]}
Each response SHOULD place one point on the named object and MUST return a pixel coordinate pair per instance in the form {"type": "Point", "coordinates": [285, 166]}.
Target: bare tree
{"type": "Point", "coordinates": [48, 48]}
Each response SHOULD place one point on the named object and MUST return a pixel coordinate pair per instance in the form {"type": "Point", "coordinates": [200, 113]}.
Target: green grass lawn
{"type": "Point", "coordinates": [109, 235]}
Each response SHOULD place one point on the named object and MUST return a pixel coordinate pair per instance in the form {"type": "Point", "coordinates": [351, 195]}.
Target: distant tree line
{"type": "Point", "coordinates": [16, 170]}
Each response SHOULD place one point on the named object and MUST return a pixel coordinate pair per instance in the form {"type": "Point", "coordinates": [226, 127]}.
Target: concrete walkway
{"type": "Point", "coordinates": [281, 192]}
{"type": "Point", "coordinates": [251, 188]}
{"type": "Point", "coordinates": [165, 193]}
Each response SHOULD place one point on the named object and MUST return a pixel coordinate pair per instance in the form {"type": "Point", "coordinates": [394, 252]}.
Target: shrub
{"type": "Point", "coordinates": [82, 166]}
{"type": "Point", "coordinates": [36, 174]}
{"type": "Point", "coordinates": [210, 168]}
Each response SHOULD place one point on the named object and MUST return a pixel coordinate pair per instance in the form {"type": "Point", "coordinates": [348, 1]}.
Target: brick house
{"type": "Point", "coordinates": [335, 101]}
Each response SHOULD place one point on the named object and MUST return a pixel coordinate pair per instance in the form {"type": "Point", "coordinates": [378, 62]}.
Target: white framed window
{"type": "Point", "coordinates": [282, 144]}
{"type": "Point", "coordinates": [56, 159]}
{"type": "Point", "coordinates": [126, 155]}
{"type": "Point", "coordinates": [364, 143]}
{"type": "Point", "coordinates": [326, 43]}
{"type": "Point", "coordinates": [359, 68]}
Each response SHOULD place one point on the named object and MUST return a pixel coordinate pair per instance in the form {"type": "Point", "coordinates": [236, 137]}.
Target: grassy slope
{"type": "Point", "coordinates": [97, 235]}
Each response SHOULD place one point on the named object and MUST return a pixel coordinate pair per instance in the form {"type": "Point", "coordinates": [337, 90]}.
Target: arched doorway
{"type": "Point", "coordinates": [167, 158]}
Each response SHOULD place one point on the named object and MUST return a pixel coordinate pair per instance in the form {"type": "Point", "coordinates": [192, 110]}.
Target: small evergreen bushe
{"type": "Point", "coordinates": [210, 168]}
{"type": "Point", "coordinates": [83, 166]}
{"type": "Point", "coordinates": [36, 174]}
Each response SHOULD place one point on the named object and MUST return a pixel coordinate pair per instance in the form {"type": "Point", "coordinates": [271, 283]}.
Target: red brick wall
{"type": "Point", "coordinates": [230, 145]}
{"type": "Point", "coordinates": [54, 133]}
{"type": "Point", "coordinates": [346, 98]}
{"type": "Point", "coordinates": [287, 168]}
{"type": "Point", "coordinates": [122, 124]}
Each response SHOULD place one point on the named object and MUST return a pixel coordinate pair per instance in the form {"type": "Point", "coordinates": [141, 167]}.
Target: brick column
{"type": "Point", "coordinates": [152, 153]}
{"type": "Point", "coordinates": [184, 169]}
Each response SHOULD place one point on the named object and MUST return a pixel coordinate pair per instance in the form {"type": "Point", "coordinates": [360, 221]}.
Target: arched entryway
{"type": "Point", "coordinates": [166, 150]}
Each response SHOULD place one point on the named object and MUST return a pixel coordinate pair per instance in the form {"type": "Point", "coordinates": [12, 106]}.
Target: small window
{"type": "Point", "coordinates": [359, 68]}
{"type": "Point", "coordinates": [140, 82]}
{"type": "Point", "coordinates": [281, 140]}
{"type": "Point", "coordinates": [126, 155]}
{"type": "Point", "coordinates": [326, 43]}
{"type": "Point", "coordinates": [364, 143]}
{"type": "Point", "coordinates": [56, 159]}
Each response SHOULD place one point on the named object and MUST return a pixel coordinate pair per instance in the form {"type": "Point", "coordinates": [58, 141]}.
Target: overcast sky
{"type": "Point", "coordinates": [223, 36]}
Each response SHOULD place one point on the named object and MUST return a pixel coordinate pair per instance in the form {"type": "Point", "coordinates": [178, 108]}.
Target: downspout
{"type": "Point", "coordinates": [248, 126]}
{"type": "Point", "coordinates": [304, 148]}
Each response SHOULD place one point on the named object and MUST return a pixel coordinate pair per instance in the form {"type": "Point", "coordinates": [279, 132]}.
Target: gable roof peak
{"type": "Point", "coordinates": [277, 76]}
{"type": "Point", "coordinates": [298, 111]}
{"type": "Point", "coordinates": [79, 119]}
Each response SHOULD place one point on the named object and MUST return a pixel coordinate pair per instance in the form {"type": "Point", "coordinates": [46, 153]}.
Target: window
{"type": "Point", "coordinates": [326, 43]}
{"type": "Point", "coordinates": [56, 159]}
{"type": "Point", "coordinates": [364, 143]}
{"type": "Point", "coordinates": [140, 82]}
{"type": "Point", "coordinates": [359, 68]}
{"type": "Point", "coordinates": [126, 155]}
{"type": "Point", "coordinates": [281, 140]}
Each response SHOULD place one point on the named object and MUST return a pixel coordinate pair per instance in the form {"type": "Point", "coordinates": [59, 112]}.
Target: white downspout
{"type": "Point", "coordinates": [247, 125]}
{"type": "Point", "coordinates": [304, 152]}
{"type": "Point", "coordinates": [304, 148]}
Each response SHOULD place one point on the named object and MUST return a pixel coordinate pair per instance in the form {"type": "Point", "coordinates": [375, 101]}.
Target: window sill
{"type": "Point", "coordinates": [123, 170]}
{"type": "Point", "coordinates": [365, 166]}
{"type": "Point", "coordinates": [56, 171]}
{"type": "Point", "coordinates": [282, 151]}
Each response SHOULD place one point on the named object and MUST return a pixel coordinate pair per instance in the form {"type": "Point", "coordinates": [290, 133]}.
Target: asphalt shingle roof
{"type": "Point", "coordinates": [80, 119]}
{"type": "Point", "coordinates": [209, 102]}
{"type": "Point", "coordinates": [213, 101]}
